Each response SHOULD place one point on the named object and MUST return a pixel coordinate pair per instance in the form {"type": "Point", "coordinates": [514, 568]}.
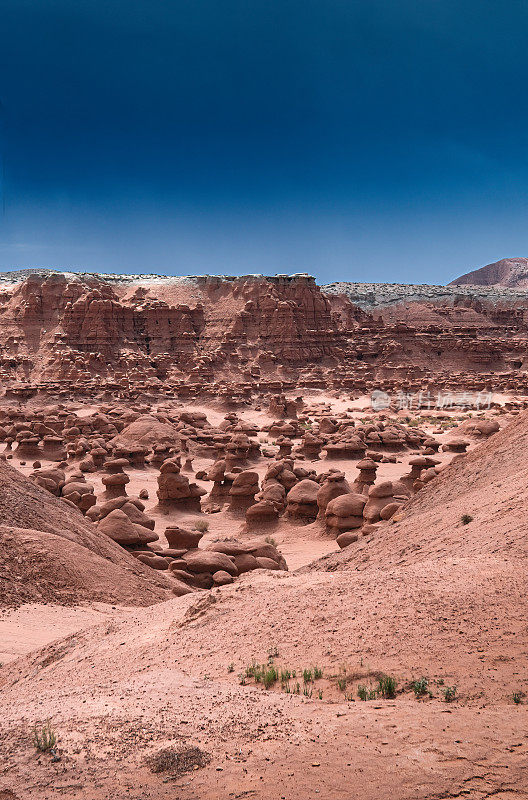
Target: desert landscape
{"type": "Point", "coordinates": [263, 538]}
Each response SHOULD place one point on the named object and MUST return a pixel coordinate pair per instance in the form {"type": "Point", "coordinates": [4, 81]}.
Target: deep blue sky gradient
{"type": "Point", "coordinates": [371, 140]}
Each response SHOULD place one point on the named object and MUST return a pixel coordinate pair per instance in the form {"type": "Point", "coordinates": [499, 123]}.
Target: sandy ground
{"type": "Point", "coordinates": [429, 599]}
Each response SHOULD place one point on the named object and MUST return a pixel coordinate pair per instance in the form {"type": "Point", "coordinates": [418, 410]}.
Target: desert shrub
{"type": "Point", "coordinates": [387, 687]}
{"type": "Point", "coordinates": [269, 676]}
{"type": "Point", "coordinates": [201, 525]}
{"type": "Point", "coordinates": [44, 737]}
{"type": "Point", "coordinates": [466, 519]}
{"type": "Point", "coordinates": [449, 693]}
{"type": "Point", "coordinates": [362, 692]}
{"type": "Point", "coordinates": [420, 687]}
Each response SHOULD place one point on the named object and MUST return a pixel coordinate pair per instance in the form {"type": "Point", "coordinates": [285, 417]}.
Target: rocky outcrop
{"type": "Point", "coordinates": [511, 272]}
{"type": "Point", "coordinates": [124, 336]}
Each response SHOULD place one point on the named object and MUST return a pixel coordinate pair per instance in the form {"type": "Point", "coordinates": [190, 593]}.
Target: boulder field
{"type": "Point", "coordinates": [262, 539]}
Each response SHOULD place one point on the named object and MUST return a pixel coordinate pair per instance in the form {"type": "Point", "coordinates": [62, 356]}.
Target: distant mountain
{"type": "Point", "coordinates": [510, 272]}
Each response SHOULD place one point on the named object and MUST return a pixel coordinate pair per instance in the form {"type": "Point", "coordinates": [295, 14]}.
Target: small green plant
{"type": "Point", "coordinates": [307, 675]}
{"type": "Point", "coordinates": [307, 692]}
{"type": "Point", "coordinates": [342, 683]}
{"type": "Point", "coordinates": [242, 679]}
{"type": "Point", "coordinates": [449, 693]}
{"type": "Point", "coordinates": [285, 675]}
{"type": "Point", "coordinates": [320, 694]}
{"type": "Point", "coordinates": [269, 676]}
{"type": "Point", "coordinates": [297, 689]}
{"type": "Point", "coordinates": [271, 540]}
{"type": "Point", "coordinates": [231, 667]}
{"type": "Point", "coordinates": [44, 737]}
{"type": "Point", "coordinates": [273, 652]}
{"type": "Point", "coordinates": [466, 519]}
{"type": "Point", "coordinates": [387, 687]}
{"type": "Point", "coordinates": [517, 698]}
{"type": "Point", "coordinates": [317, 673]}
{"type": "Point", "coordinates": [362, 692]}
{"type": "Point", "coordinates": [420, 687]}
{"type": "Point", "coordinates": [201, 525]}
{"type": "Point", "coordinates": [251, 670]}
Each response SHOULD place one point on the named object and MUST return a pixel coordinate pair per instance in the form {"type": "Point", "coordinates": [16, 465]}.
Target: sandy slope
{"type": "Point", "coordinates": [429, 597]}
{"type": "Point", "coordinates": [49, 551]}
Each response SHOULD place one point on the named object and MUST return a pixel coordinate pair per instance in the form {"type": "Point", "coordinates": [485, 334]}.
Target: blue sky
{"type": "Point", "coordinates": [372, 140]}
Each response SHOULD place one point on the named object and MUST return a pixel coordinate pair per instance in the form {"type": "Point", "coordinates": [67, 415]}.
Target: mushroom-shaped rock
{"type": "Point", "coordinates": [351, 447]}
{"type": "Point", "coordinates": [174, 488]}
{"type": "Point", "coordinates": [209, 561]}
{"type": "Point", "coordinates": [334, 485]}
{"type": "Point", "coordinates": [285, 446]}
{"type": "Point", "coordinates": [456, 445]}
{"type": "Point", "coordinates": [115, 484]}
{"type": "Point", "coordinates": [262, 515]}
{"type": "Point", "coordinates": [367, 472]}
{"type": "Point", "coordinates": [311, 445]}
{"type": "Point", "coordinates": [182, 538]}
{"type": "Point", "coordinates": [118, 526]}
{"type": "Point", "coordinates": [301, 501]}
{"type": "Point", "coordinates": [345, 513]}
{"type": "Point", "coordinates": [243, 490]}
{"type": "Point", "coordinates": [379, 496]}
{"type": "Point", "coordinates": [84, 494]}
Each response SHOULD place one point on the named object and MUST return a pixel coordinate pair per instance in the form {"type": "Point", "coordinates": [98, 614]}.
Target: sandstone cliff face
{"type": "Point", "coordinates": [136, 333]}
{"type": "Point", "coordinates": [69, 327]}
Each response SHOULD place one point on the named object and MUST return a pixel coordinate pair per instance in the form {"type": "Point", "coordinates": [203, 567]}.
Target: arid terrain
{"type": "Point", "coordinates": [262, 538]}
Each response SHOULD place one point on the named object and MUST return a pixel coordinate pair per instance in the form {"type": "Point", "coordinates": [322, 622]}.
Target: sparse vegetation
{"type": "Point", "coordinates": [178, 762]}
{"type": "Point", "coordinates": [466, 519]}
{"type": "Point", "coordinates": [271, 540]}
{"type": "Point", "coordinates": [231, 667]}
{"type": "Point", "coordinates": [420, 687]}
{"type": "Point", "coordinates": [341, 683]}
{"type": "Point", "coordinates": [387, 687]}
{"type": "Point", "coordinates": [307, 675]}
{"type": "Point", "coordinates": [285, 675]}
{"type": "Point", "coordinates": [449, 693]}
{"type": "Point", "coordinates": [201, 525]}
{"type": "Point", "coordinates": [517, 698]}
{"type": "Point", "coordinates": [269, 676]}
{"type": "Point", "coordinates": [362, 692]}
{"type": "Point", "coordinates": [44, 737]}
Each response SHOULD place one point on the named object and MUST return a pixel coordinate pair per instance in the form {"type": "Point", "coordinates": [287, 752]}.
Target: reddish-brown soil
{"type": "Point", "coordinates": [154, 696]}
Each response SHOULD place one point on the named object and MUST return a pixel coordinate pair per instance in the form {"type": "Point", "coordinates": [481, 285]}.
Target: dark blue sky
{"type": "Point", "coordinates": [382, 140]}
